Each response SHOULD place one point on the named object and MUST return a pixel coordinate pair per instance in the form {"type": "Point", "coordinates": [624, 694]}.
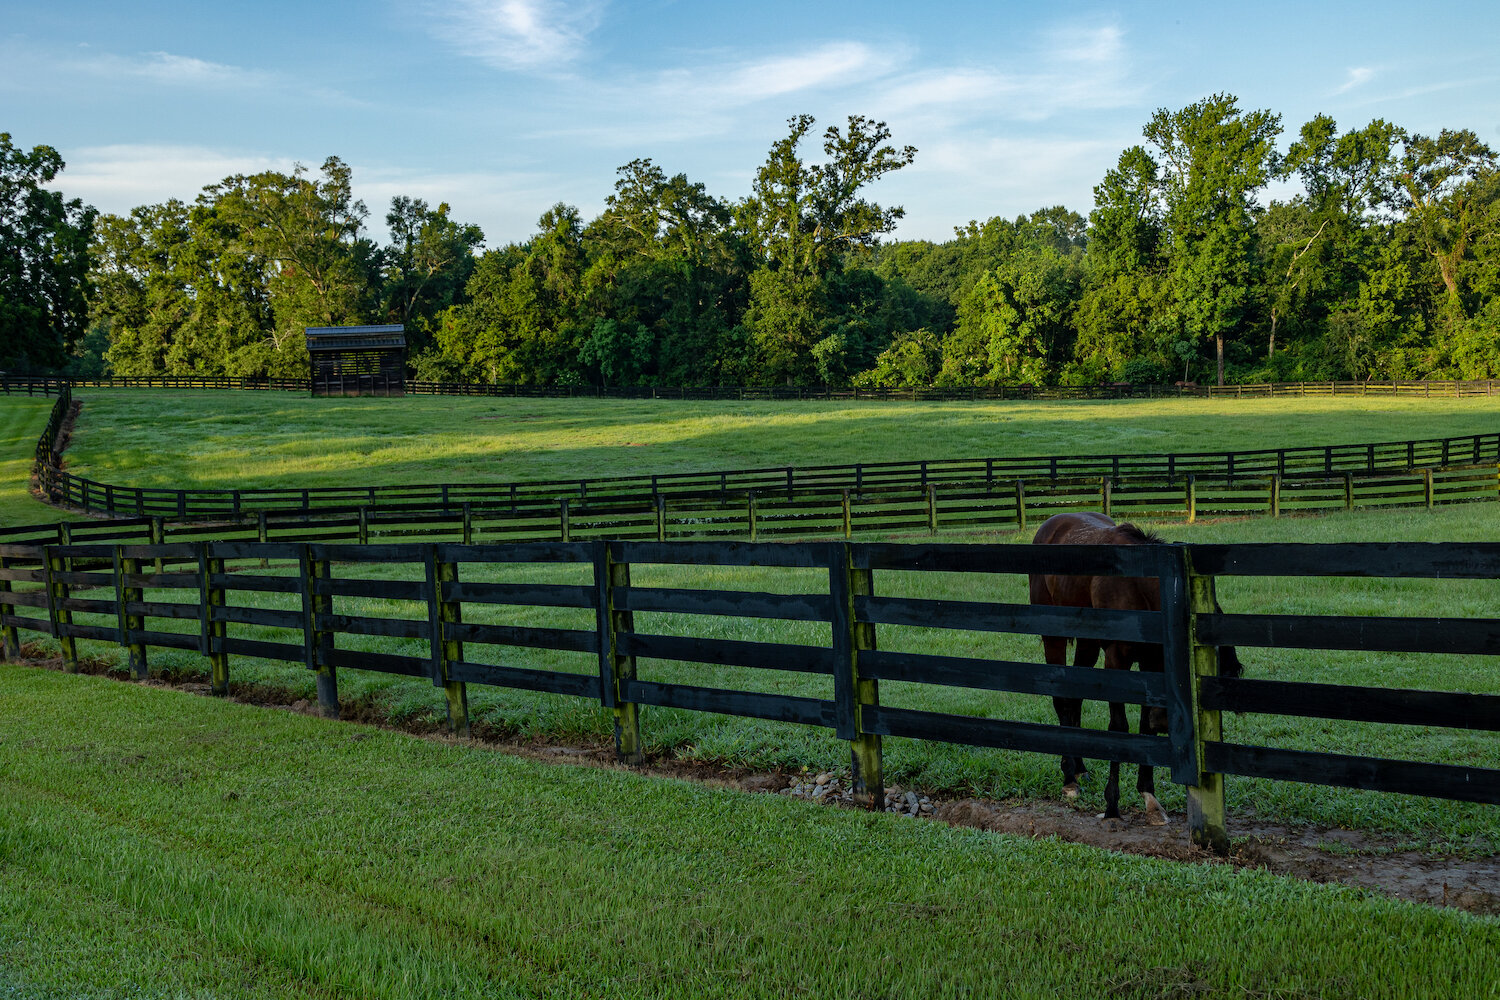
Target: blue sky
{"type": "Point", "coordinates": [503, 108]}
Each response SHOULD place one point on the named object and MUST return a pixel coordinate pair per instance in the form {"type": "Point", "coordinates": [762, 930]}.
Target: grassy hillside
{"type": "Point", "coordinates": [243, 440]}
{"type": "Point", "coordinates": [178, 846]}
{"type": "Point", "coordinates": [22, 419]}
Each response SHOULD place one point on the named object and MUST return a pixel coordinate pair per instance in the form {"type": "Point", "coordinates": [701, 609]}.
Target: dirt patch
{"type": "Point", "coordinates": [1317, 854]}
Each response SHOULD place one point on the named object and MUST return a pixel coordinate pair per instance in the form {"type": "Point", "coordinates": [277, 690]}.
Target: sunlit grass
{"type": "Point", "coordinates": [22, 420]}
{"type": "Point", "coordinates": [245, 440]}
{"type": "Point", "coordinates": [178, 846]}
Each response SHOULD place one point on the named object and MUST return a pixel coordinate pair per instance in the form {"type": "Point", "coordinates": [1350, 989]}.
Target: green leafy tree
{"type": "Point", "coordinates": [427, 264]}
{"type": "Point", "coordinates": [1449, 187]}
{"type": "Point", "coordinates": [805, 220]}
{"type": "Point", "coordinates": [1214, 160]}
{"type": "Point", "coordinates": [44, 260]}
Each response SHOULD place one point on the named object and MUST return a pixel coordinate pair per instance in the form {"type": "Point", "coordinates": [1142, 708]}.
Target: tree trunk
{"type": "Point", "coordinates": [1219, 343]}
{"type": "Point", "coordinates": [1271, 351]}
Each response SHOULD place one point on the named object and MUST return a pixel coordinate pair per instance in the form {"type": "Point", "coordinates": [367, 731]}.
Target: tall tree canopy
{"type": "Point", "coordinates": [1376, 254]}
{"type": "Point", "coordinates": [44, 260]}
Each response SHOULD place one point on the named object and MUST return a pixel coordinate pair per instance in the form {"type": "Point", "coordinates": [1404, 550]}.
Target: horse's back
{"type": "Point", "coordinates": [1079, 528]}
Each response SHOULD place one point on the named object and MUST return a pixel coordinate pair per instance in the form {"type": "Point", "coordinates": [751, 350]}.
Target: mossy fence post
{"type": "Point", "coordinates": [853, 693]}
{"type": "Point", "coordinates": [10, 638]}
{"type": "Point", "coordinates": [128, 591]}
{"type": "Point", "coordinates": [442, 614]}
{"type": "Point", "coordinates": [317, 643]}
{"type": "Point", "coordinates": [1205, 800]}
{"type": "Point", "coordinates": [616, 669]}
{"type": "Point", "coordinates": [215, 625]}
{"type": "Point", "coordinates": [59, 617]}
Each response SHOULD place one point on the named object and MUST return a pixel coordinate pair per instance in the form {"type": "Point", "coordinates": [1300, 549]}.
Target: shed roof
{"type": "Point", "coordinates": [354, 338]}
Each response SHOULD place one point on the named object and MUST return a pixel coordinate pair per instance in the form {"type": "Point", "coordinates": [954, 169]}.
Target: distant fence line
{"type": "Point", "coordinates": [1224, 481]}
{"type": "Point", "coordinates": [1121, 390]}
{"type": "Point", "coordinates": [211, 598]}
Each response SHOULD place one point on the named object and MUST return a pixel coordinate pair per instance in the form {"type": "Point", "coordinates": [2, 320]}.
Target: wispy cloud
{"type": "Point", "coordinates": [518, 35]}
{"type": "Point", "coordinates": [118, 178]}
{"type": "Point", "coordinates": [1357, 76]}
{"type": "Point", "coordinates": [1077, 69]}
{"type": "Point", "coordinates": [168, 69]}
{"type": "Point", "coordinates": [711, 97]}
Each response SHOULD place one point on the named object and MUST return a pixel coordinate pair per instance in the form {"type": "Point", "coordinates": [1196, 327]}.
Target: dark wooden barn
{"type": "Point", "coordinates": [357, 360]}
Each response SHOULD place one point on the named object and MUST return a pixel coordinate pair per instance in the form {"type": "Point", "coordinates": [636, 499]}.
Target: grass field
{"type": "Point", "coordinates": [246, 440]}
{"type": "Point", "coordinates": [155, 844]}
{"type": "Point", "coordinates": [22, 420]}
{"type": "Point", "coordinates": [174, 846]}
{"type": "Point", "coordinates": [159, 432]}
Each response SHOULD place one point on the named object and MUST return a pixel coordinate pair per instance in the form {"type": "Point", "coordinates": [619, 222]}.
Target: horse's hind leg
{"type": "Point", "coordinates": [1145, 779]}
{"type": "Point", "coordinates": [1117, 724]}
{"type": "Point", "coordinates": [1069, 710]}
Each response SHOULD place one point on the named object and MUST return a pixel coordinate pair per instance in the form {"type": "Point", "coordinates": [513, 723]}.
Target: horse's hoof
{"type": "Point", "coordinates": [1070, 791]}
{"type": "Point", "coordinates": [1155, 814]}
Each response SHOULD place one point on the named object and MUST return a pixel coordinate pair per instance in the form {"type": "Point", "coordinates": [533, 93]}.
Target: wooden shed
{"type": "Point", "coordinates": [357, 360]}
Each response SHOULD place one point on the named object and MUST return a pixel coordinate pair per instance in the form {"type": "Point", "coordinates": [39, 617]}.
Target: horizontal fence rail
{"type": "Point", "coordinates": [1392, 473]}
{"type": "Point", "coordinates": [462, 610]}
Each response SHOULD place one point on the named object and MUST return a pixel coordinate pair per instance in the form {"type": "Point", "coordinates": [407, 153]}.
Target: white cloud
{"type": "Point", "coordinates": [1077, 69]}
{"type": "Point", "coordinates": [1357, 76]}
{"type": "Point", "coordinates": [524, 35]}
{"type": "Point", "coordinates": [120, 177]}
{"type": "Point", "coordinates": [170, 70]}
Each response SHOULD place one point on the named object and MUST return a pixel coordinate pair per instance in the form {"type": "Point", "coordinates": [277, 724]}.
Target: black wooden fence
{"type": "Point", "coordinates": [466, 610]}
{"type": "Point", "coordinates": [1391, 473]}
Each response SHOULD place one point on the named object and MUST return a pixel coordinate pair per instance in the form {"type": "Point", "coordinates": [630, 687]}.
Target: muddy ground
{"type": "Point", "coordinates": [1317, 854]}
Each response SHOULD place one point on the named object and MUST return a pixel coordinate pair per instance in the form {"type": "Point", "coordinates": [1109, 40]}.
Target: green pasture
{"type": "Point", "coordinates": [247, 439]}
{"type": "Point", "coordinates": [181, 439]}
{"type": "Point", "coordinates": [936, 767]}
{"type": "Point", "coordinates": [22, 420]}
{"type": "Point", "coordinates": [154, 844]}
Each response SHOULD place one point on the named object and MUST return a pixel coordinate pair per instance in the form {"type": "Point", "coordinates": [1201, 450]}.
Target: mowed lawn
{"type": "Point", "coordinates": [157, 844]}
{"type": "Point", "coordinates": [248, 439]}
{"type": "Point", "coordinates": [22, 420]}
{"type": "Point", "coordinates": [938, 768]}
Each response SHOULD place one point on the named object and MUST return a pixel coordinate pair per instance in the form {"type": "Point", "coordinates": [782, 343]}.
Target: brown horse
{"type": "Point", "coordinates": [1118, 593]}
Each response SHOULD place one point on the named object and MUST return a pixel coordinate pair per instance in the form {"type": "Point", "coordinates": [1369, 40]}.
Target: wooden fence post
{"type": "Point", "coordinates": [1427, 487]}
{"type": "Point", "coordinates": [1104, 495]}
{"type": "Point", "coordinates": [661, 518]}
{"type": "Point", "coordinates": [215, 626]}
{"type": "Point", "coordinates": [59, 616]}
{"type": "Point", "coordinates": [617, 670]}
{"type": "Point", "coordinates": [131, 624]}
{"type": "Point", "coordinates": [564, 525]}
{"type": "Point", "coordinates": [750, 512]}
{"type": "Point", "coordinates": [1205, 800]}
{"type": "Point", "coordinates": [442, 614]}
{"type": "Point", "coordinates": [364, 526]}
{"type": "Point", "coordinates": [848, 517]}
{"type": "Point", "coordinates": [10, 637]}
{"type": "Point", "coordinates": [158, 536]}
{"type": "Point", "coordinates": [1020, 505]}
{"type": "Point", "coordinates": [852, 694]}
{"type": "Point", "coordinates": [1192, 498]}
{"type": "Point", "coordinates": [1275, 498]}
{"type": "Point", "coordinates": [1348, 491]}
{"type": "Point", "coordinates": [262, 534]}
{"type": "Point", "coordinates": [932, 520]}
{"type": "Point", "coordinates": [317, 644]}
{"type": "Point", "coordinates": [468, 523]}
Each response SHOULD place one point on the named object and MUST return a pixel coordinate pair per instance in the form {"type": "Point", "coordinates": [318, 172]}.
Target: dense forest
{"type": "Point", "coordinates": [1217, 250]}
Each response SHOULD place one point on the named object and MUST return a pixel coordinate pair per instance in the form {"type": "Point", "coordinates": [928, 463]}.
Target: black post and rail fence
{"type": "Point", "coordinates": [464, 614]}
{"type": "Point", "coordinates": [861, 498]}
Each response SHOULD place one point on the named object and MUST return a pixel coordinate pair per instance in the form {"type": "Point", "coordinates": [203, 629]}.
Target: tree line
{"type": "Point", "coordinates": [1213, 252]}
